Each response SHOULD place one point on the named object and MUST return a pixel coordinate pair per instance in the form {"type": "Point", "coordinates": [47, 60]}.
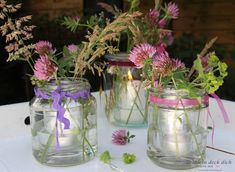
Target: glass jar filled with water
{"type": "Point", "coordinates": [63, 123]}
{"type": "Point", "coordinates": [125, 94]}
{"type": "Point", "coordinates": [177, 128]}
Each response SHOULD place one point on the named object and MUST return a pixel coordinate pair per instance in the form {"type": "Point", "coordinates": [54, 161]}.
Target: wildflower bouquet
{"type": "Point", "coordinates": [63, 111]}
{"type": "Point", "coordinates": [178, 98]}
{"type": "Point", "coordinates": [74, 60]}
{"type": "Point", "coordinates": [160, 70]}
{"type": "Point", "coordinates": [126, 101]}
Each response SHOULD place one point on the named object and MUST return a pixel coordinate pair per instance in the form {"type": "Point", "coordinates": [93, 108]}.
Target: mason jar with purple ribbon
{"type": "Point", "coordinates": [177, 128]}
{"type": "Point", "coordinates": [63, 123]}
{"type": "Point", "coordinates": [124, 92]}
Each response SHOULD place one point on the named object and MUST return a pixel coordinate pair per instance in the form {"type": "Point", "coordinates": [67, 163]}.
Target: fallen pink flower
{"type": "Point", "coordinates": [121, 137]}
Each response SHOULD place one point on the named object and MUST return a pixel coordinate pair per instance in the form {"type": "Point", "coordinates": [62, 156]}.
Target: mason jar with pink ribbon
{"type": "Point", "coordinates": [177, 128]}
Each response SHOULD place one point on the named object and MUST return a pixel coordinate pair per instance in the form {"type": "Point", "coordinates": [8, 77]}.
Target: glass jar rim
{"type": "Point", "coordinates": [119, 59]}
{"type": "Point", "coordinates": [170, 90]}
{"type": "Point", "coordinates": [172, 98]}
{"type": "Point", "coordinates": [67, 84]}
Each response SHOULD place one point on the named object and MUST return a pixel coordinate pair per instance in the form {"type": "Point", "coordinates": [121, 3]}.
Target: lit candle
{"type": "Point", "coordinates": [177, 146]}
{"type": "Point", "coordinates": [175, 138]}
{"type": "Point", "coordinates": [66, 136]}
{"type": "Point", "coordinates": [132, 102]}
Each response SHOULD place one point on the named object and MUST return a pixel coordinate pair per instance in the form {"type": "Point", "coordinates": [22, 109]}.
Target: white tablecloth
{"type": "Point", "coordinates": [16, 154]}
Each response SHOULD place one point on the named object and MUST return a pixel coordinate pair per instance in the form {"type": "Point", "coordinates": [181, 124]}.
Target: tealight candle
{"type": "Point", "coordinates": [131, 105]}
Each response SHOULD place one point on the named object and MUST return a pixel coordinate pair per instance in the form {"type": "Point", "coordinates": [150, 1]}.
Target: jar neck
{"type": "Point", "coordinates": [169, 96]}
{"type": "Point", "coordinates": [172, 93]}
{"type": "Point", "coordinates": [67, 85]}
{"type": "Point", "coordinates": [120, 59]}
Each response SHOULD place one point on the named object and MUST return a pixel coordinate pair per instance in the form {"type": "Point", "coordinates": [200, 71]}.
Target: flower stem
{"type": "Point", "coordinates": [31, 66]}
{"type": "Point", "coordinates": [83, 134]}
{"type": "Point", "coordinates": [48, 144]}
{"type": "Point", "coordinates": [85, 25]}
{"type": "Point", "coordinates": [84, 131]}
{"type": "Point", "coordinates": [141, 113]}
{"type": "Point", "coordinates": [175, 132]}
{"type": "Point", "coordinates": [188, 123]}
{"type": "Point", "coordinates": [173, 80]}
{"type": "Point", "coordinates": [146, 105]}
{"type": "Point", "coordinates": [176, 137]}
{"type": "Point", "coordinates": [128, 43]}
{"type": "Point", "coordinates": [190, 128]}
{"type": "Point", "coordinates": [87, 141]}
{"type": "Point", "coordinates": [137, 94]}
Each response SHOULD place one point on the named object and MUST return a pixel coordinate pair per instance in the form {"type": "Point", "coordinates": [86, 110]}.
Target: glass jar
{"type": "Point", "coordinates": [64, 129]}
{"type": "Point", "coordinates": [177, 128]}
{"type": "Point", "coordinates": [125, 95]}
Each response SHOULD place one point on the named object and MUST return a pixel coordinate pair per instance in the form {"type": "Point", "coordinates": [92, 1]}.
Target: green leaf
{"type": "Point", "coordinates": [180, 119]}
{"type": "Point", "coordinates": [147, 69]}
{"type": "Point", "coordinates": [223, 69]}
{"type": "Point", "coordinates": [198, 66]}
{"type": "Point", "coordinates": [105, 157]}
{"type": "Point", "coordinates": [192, 91]}
{"type": "Point", "coordinates": [64, 62]}
{"type": "Point", "coordinates": [178, 75]}
{"type": "Point", "coordinates": [212, 79]}
{"type": "Point", "coordinates": [132, 136]}
{"type": "Point", "coordinates": [213, 60]}
{"type": "Point", "coordinates": [166, 80]}
{"type": "Point", "coordinates": [66, 51]}
{"type": "Point", "coordinates": [128, 158]}
{"type": "Point", "coordinates": [70, 23]}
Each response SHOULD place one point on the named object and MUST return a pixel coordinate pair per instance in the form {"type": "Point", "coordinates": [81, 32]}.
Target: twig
{"type": "Point", "coordinates": [157, 3]}
{"type": "Point", "coordinates": [202, 53]}
{"type": "Point", "coordinates": [207, 47]}
{"type": "Point", "coordinates": [220, 150]}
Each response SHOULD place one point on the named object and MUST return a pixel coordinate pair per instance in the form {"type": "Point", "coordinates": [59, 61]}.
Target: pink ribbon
{"type": "Point", "coordinates": [176, 102]}
{"type": "Point", "coordinates": [213, 125]}
{"type": "Point", "coordinates": [221, 106]}
{"type": "Point", "coordinates": [190, 102]}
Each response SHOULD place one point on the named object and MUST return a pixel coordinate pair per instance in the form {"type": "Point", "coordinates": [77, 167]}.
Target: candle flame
{"type": "Point", "coordinates": [129, 75]}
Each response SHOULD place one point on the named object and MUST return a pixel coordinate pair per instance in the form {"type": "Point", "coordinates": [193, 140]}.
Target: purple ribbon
{"type": "Point", "coordinates": [57, 96]}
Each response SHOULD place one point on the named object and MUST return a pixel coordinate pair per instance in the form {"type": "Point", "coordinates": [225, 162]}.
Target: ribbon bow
{"type": "Point", "coordinates": [57, 96]}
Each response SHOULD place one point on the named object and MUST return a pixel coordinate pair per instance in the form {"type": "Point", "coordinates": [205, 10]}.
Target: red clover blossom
{"type": "Point", "coordinates": [121, 137]}
{"type": "Point", "coordinates": [44, 69]}
{"type": "Point", "coordinates": [140, 53]}
{"type": "Point", "coordinates": [172, 10]}
{"type": "Point", "coordinates": [44, 48]}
